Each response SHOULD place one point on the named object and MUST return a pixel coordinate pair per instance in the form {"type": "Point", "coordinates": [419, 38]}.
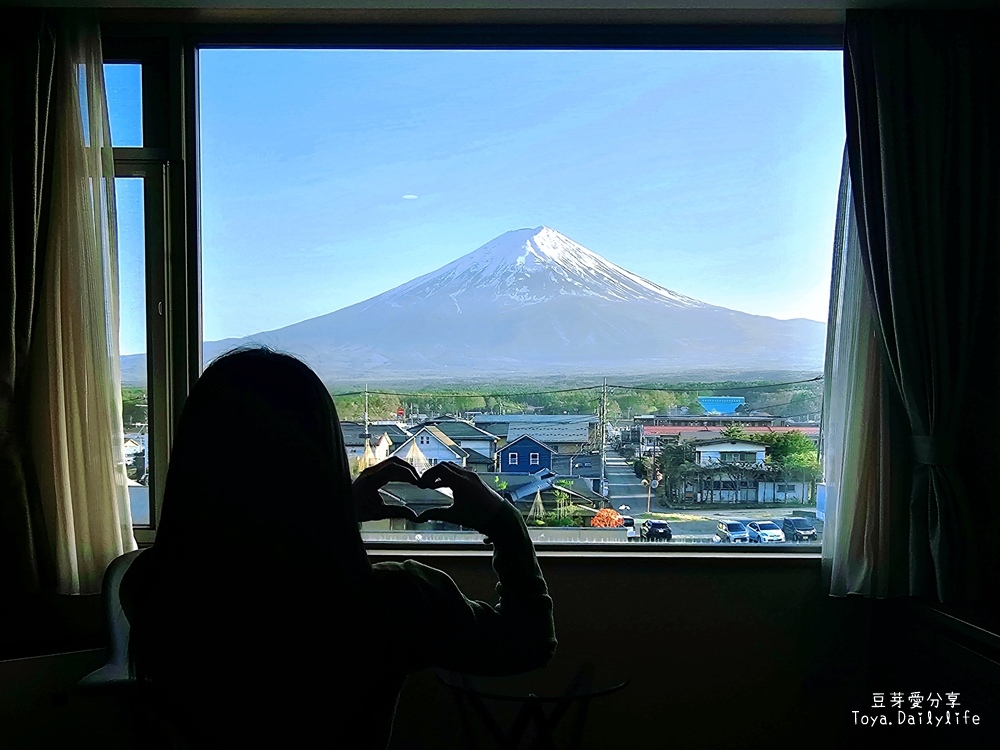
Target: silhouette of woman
{"type": "Point", "coordinates": [256, 616]}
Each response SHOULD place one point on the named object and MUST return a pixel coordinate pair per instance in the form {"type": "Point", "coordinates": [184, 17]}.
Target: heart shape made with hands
{"type": "Point", "coordinates": [369, 503]}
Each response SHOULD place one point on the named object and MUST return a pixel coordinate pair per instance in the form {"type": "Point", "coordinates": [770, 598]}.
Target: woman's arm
{"type": "Point", "coordinates": [515, 635]}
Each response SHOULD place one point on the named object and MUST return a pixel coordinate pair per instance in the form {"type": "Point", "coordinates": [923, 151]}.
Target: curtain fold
{"type": "Point", "coordinates": [76, 381]}
{"type": "Point", "coordinates": [27, 73]}
{"type": "Point", "coordinates": [925, 166]}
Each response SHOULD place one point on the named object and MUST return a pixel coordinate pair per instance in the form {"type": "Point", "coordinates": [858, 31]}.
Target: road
{"type": "Point", "coordinates": [624, 488]}
{"type": "Point", "coordinates": [696, 526]}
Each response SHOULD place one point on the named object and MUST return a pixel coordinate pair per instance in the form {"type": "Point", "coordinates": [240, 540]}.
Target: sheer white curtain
{"type": "Point", "coordinates": [855, 544]}
{"type": "Point", "coordinates": [76, 386]}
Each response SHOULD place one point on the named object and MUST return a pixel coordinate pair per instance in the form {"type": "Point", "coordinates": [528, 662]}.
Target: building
{"type": "Point", "coordinates": [736, 472]}
{"type": "Point", "coordinates": [479, 445]}
{"type": "Point", "coordinates": [654, 438]}
{"type": "Point", "coordinates": [355, 440]}
{"type": "Point", "coordinates": [525, 455]}
{"type": "Point", "coordinates": [429, 446]}
{"type": "Point", "coordinates": [565, 433]}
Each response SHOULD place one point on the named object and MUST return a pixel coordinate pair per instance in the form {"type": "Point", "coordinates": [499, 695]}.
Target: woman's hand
{"type": "Point", "coordinates": [475, 504]}
{"type": "Point", "coordinates": [368, 502]}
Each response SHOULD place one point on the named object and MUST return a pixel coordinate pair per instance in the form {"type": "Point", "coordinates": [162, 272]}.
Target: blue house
{"type": "Point", "coordinates": [525, 455]}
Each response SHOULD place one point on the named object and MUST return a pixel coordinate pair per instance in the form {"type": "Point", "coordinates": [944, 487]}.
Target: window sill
{"type": "Point", "coordinates": [800, 555]}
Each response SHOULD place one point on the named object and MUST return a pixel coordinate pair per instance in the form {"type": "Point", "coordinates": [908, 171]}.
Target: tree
{"type": "Point", "coordinates": [672, 457]}
{"type": "Point", "coordinates": [736, 431]}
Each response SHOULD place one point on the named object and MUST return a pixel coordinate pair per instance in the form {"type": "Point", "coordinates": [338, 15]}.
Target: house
{"type": "Point", "coordinates": [429, 446]}
{"type": "Point", "coordinates": [395, 431]}
{"type": "Point", "coordinates": [566, 433]}
{"type": "Point", "coordinates": [736, 472]}
{"type": "Point", "coordinates": [525, 455]}
{"type": "Point", "coordinates": [480, 445]}
{"type": "Point", "coordinates": [655, 437]}
{"type": "Point", "coordinates": [355, 441]}
{"type": "Point", "coordinates": [818, 661]}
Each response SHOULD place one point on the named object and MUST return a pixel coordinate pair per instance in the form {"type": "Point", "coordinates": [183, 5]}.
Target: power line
{"type": "Point", "coordinates": [435, 394]}
{"type": "Point", "coordinates": [518, 394]}
{"type": "Point", "coordinates": [691, 388]}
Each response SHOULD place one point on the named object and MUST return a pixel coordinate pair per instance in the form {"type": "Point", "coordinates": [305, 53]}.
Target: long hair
{"type": "Point", "coordinates": [257, 534]}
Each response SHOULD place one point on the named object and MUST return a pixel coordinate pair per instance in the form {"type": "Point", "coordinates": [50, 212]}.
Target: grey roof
{"type": "Point", "coordinates": [459, 430]}
{"type": "Point", "coordinates": [512, 480]}
{"type": "Point", "coordinates": [698, 444]}
{"type": "Point", "coordinates": [477, 457]}
{"type": "Point", "coordinates": [352, 432]}
{"type": "Point", "coordinates": [396, 433]}
{"type": "Point", "coordinates": [488, 419]}
{"type": "Point", "coordinates": [521, 437]}
{"type": "Point", "coordinates": [551, 432]}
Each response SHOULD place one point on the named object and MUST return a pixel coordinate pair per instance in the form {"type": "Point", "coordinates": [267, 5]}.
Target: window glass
{"type": "Point", "coordinates": [123, 83]}
{"type": "Point", "coordinates": [129, 196]}
{"type": "Point", "coordinates": [624, 255]}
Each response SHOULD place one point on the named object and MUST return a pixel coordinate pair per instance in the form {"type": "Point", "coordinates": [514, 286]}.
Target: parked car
{"type": "Point", "coordinates": [630, 530]}
{"type": "Point", "coordinates": [764, 532]}
{"type": "Point", "coordinates": [731, 531]}
{"type": "Point", "coordinates": [798, 529]}
{"type": "Point", "coordinates": [653, 530]}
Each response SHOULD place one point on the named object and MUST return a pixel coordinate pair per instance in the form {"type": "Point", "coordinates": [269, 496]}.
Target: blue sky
{"type": "Point", "coordinates": [330, 176]}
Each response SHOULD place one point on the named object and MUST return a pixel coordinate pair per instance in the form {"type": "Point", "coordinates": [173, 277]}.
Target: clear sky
{"type": "Point", "coordinates": [328, 177]}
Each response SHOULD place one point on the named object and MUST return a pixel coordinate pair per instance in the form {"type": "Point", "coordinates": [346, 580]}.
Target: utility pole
{"type": "Point", "coordinates": [604, 439]}
{"type": "Point", "coordinates": [366, 411]}
{"type": "Point", "coordinates": [649, 484]}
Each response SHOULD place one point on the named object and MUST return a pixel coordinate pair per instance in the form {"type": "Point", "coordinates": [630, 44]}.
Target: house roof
{"type": "Point", "coordinates": [512, 480]}
{"type": "Point", "coordinates": [533, 439]}
{"type": "Point", "coordinates": [458, 429]}
{"type": "Point", "coordinates": [477, 457]}
{"type": "Point", "coordinates": [690, 432]}
{"type": "Point", "coordinates": [727, 441]}
{"type": "Point", "coordinates": [396, 433]}
{"type": "Point", "coordinates": [550, 432]}
{"type": "Point", "coordinates": [352, 432]}
{"type": "Point", "coordinates": [484, 420]}
{"type": "Point", "coordinates": [434, 432]}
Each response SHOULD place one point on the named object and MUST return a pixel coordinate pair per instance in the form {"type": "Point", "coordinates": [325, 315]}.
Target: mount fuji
{"type": "Point", "coordinates": [530, 303]}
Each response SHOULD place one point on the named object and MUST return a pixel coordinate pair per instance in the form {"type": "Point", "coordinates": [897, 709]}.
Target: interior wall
{"type": "Point", "coordinates": [720, 652]}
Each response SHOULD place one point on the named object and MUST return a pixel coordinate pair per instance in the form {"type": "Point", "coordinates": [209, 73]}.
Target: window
{"type": "Point", "coordinates": [136, 87]}
{"type": "Point", "coordinates": [566, 214]}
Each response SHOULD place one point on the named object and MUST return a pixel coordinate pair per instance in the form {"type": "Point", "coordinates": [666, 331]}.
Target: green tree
{"type": "Point", "coordinates": [672, 458]}
{"type": "Point", "coordinates": [736, 431]}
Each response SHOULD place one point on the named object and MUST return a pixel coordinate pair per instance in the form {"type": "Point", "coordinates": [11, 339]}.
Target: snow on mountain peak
{"type": "Point", "coordinates": [525, 266]}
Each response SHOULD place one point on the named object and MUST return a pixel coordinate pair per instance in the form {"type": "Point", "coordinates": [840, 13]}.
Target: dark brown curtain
{"type": "Point", "coordinates": [924, 148]}
{"type": "Point", "coordinates": [27, 69]}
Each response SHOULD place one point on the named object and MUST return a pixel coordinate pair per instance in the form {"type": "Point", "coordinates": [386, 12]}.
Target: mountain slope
{"type": "Point", "coordinates": [533, 302]}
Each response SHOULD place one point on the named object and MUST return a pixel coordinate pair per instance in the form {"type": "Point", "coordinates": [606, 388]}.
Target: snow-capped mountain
{"type": "Point", "coordinates": [532, 302]}
{"type": "Point", "coordinates": [529, 266]}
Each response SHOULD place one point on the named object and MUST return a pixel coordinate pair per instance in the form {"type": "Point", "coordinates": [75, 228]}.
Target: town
{"type": "Point", "coordinates": [716, 473]}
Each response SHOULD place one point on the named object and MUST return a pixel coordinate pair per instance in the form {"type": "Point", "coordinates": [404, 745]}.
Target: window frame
{"type": "Point", "coordinates": [169, 53]}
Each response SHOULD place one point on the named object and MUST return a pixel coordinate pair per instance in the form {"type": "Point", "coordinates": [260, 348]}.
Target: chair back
{"type": "Point", "coordinates": [115, 670]}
